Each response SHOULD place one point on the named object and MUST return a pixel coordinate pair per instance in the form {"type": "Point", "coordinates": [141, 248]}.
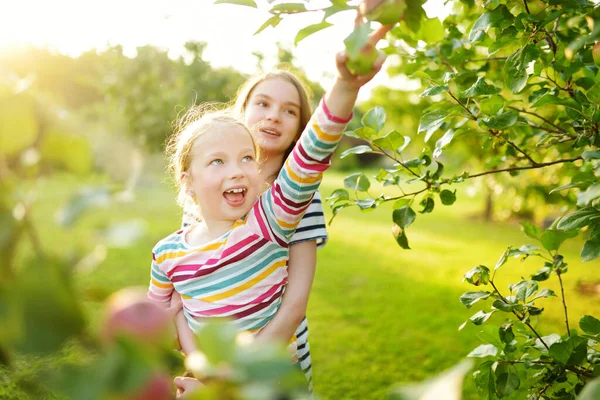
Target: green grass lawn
{"type": "Point", "coordinates": [377, 314]}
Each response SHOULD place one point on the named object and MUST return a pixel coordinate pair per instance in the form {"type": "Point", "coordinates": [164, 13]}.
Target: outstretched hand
{"type": "Point", "coordinates": [342, 58]}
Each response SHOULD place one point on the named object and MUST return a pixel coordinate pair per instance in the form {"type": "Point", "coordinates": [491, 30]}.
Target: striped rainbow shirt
{"type": "Point", "coordinates": [242, 274]}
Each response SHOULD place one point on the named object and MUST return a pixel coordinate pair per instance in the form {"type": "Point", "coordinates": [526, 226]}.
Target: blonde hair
{"type": "Point", "coordinates": [197, 121]}
{"type": "Point", "coordinates": [245, 91]}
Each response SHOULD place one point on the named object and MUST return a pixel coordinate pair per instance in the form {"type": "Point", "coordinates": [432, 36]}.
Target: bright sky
{"type": "Point", "coordinates": [73, 26]}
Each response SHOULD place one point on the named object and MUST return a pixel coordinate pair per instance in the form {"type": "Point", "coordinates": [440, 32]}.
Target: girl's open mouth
{"type": "Point", "coordinates": [235, 197]}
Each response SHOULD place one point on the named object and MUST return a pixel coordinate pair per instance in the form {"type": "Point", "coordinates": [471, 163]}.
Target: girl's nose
{"type": "Point", "coordinates": [236, 172]}
{"type": "Point", "coordinates": [273, 115]}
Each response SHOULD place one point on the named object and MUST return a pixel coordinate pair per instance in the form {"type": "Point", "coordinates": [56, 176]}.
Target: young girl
{"type": "Point", "coordinates": [233, 263]}
{"type": "Point", "coordinates": [276, 108]}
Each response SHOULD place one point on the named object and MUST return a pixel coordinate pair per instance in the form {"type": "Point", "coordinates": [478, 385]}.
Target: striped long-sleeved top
{"type": "Point", "coordinates": [242, 274]}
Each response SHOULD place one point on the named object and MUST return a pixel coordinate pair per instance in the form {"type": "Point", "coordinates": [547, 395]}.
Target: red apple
{"type": "Point", "coordinates": [386, 12]}
{"type": "Point", "coordinates": [158, 387]}
{"type": "Point", "coordinates": [129, 312]}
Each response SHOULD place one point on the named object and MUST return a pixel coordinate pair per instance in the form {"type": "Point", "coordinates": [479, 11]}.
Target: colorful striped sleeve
{"type": "Point", "coordinates": [161, 287]}
{"type": "Point", "coordinates": [285, 203]}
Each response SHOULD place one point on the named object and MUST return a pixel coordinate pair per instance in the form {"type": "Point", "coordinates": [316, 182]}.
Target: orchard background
{"type": "Point", "coordinates": [488, 173]}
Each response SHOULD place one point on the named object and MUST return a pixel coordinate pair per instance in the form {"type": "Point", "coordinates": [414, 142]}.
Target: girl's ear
{"type": "Point", "coordinates": [185, 181]}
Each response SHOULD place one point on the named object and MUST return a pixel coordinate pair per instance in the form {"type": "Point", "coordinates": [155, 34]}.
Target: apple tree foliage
{"type": "Point", "coordinates": [515, 82]}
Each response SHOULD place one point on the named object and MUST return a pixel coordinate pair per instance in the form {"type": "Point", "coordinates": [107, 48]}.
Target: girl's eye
{"type": "Point", "coordinates": [247, 159]}
{"type": "Point", "coordinates": [217, 161]}
{"type": "Point", "coordinates": [262, 103]}
{"type": "Point", "coordinates": [291, 112]}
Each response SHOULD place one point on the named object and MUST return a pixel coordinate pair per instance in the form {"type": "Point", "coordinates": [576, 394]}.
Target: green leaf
{"type": "Point", "coordinates": [485, 380]}
{"type": "Point", "coordinates": [404, 217]}
{"type": "Point", "coordinates": [392, 141]}
{"type": "Point", "coordinates": [502, 260]}
{"type": "Point", "coordinates": [400, 236]}
{"type": "Point", "coordinates": [592, 193]}
{"type": "Point", "coordinates": [552, 238]}
{"type": "Point", "coordinates": [438, 172]}
{"type": "Point", "coordinates": [428, 203]}
{"type": "Point", "coordinates": [561, 351]}
{"type": "Point", "coordinates": [507, 383]}
{"type": "Point", "coordinates": [51, 313]}
{"type": "Point", "coordinates": [515, 76]}
{"type": "Point", "coordinates": [500, 17]}
{"type": "Point", "coordinates": [553, 99]}
{"type": "Point", "coordinates": [590, 325]}
{"type": "Point", "coordinates": [84, 200]}
{"type": "Point", "coordinates": [273, 21]}
{"type": "Point", "coordinates": [579, 219]}
{"type": "Point", "coordinates": [480, 88]}
{"type": "Point", "coordinates": [217, 340]}
{"type": "Point", "coordinates": [506, 307]}
{"type": "Point", "coordinates": [525, 289]}
{"type": "Point", "coordinates": [591, 155]}
{"type": "Point", "coordinates": [543, 294]}
{"type": "Point", "coordinates": [434, 90]}
{"type": "Point", "coordinates": [431, 121]}
{"type": "Point", "coordinates": [506, 333]}
{"type": "Point", "coordinates": [374, 118]}
{"type": "Point", "coordinates": [414, 14]}
{"type": "Point", "coordinates": [361, 149]}
{"type": "Point", "coordinates": [591, 391]}
{"type": "Point", "coordinates": [478, 275]}
{"type": "Point", "coordinates": [567, 186]}
{"type": "Point", "coordinates": [484, 350]}
{"type": "Point", "coordinates": [470, 298]}
{"type": "Point", "coordinates": [358, 182]}
{"type": "Point", "coordinates": [288, 8]}
{"type": "Point", "coordinates": [364, 133]}
{"type": "Point", "coordinates": [357, 40]}
{"type": "Point", "coordinates": [339, 194]}
{"type": "Point", "coordinates": [500, 121]}
{"type": "Point", "coordinates": [443, 142]}
{"type": "Point", "coordinates": [364, 204]}
{"type": "Point", "coordinates": [448, 197]}
{"type": "Point", "coordinates": [591, 249]}
{"type": "Point", "coordinates": [431, 31]}
{"type": "Point", "coordinates": [491, 105]}
{"type": "Point", "coordinates": [542, 275]}
{"type": "Point", "coordinates": [309, 30]}
{"type": "Point", "coordinates": [248, 3]}
{"type": "Point", "coordinates": [531, 230]}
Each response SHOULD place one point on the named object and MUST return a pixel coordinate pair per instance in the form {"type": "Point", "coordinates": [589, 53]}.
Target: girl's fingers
{"type": "Point", "coordinates": [358, 19]}
{"type": "Point", "coordinates": [379, 34]}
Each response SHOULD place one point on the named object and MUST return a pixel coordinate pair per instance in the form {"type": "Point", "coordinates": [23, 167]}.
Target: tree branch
{"type": "Point", "coordinates": [486, 59]}
{"type": "Point", "coordinates": [562, 292]}
{"type": "Point", "coordinates": [538, 116]}
{"type": "Point", "coordinates": [533, 162]}
{"type": "Point", "coordinates": [520, 317]}
{"type": "Point", "coordinates": [473, 117]}
{"type": "Point", "coordinates": [538, 165]}
{"type": "Point", "coordinates": [408, 194]}
{"type": "Point", "coordinates": [526, 6]}
{"type": "Point", "coordinates": [398, 161]}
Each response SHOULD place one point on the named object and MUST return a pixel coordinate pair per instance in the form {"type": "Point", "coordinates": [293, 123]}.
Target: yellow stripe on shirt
{"type": "Point", "coordinates": [246, 285]}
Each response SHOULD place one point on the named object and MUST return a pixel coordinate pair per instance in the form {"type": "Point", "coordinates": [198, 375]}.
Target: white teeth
{"type": "Point", "coordinates": [270, 131]}
{"type": "Point", "coordinates": [238, 190]}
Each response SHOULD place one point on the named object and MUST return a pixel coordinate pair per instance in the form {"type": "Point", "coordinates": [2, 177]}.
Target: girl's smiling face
{"type": "Point", "coordinates": [273, 115]}
{"type": "Point", "coordinates": [223, 173]}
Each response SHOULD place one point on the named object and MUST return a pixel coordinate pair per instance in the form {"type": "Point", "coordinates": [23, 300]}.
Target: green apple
{"type": "Point", "coordinates": [596, 53]}
{"type": "Point", "coordinates": [386, 12]}
{"type": "Point", "coordinates": [363, 62]}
